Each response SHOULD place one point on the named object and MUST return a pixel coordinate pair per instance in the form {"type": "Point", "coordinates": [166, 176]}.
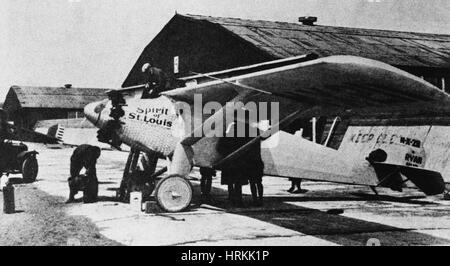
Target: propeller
{"type": "Point", "coordinates": [107, 133]}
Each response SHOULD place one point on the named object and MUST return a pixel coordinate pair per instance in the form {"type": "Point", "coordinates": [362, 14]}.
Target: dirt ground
{"type": "Point", "coordinates": [41, 220]}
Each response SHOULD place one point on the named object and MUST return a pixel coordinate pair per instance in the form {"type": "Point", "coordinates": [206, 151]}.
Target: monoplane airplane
{"type": "Point", "coordinates": [302, 86]}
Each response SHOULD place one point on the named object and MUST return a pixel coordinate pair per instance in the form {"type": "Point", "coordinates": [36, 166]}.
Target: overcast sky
{"type": "Point", "coordinates": [94, 43]}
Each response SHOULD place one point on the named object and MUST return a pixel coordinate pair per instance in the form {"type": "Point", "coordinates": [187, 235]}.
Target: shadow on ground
{"type": "Point", "coordinates": [335, 228]}
{"type": "Point", "coordinates": [330, 224]}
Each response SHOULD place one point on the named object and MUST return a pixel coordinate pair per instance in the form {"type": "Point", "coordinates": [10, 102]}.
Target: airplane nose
{"type": "Point", "coordinates": [93, 111]}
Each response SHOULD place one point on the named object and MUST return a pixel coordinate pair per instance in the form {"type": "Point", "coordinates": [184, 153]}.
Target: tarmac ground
{"type": "Point", "coordinates": [326, 214]}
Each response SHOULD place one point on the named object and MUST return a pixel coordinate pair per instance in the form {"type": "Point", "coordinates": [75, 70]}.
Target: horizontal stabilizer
{"type": "Point", "coordinates": [430, 182]}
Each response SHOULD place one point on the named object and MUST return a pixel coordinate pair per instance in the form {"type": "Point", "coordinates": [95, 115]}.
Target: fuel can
{"type": "Point", "coordinates": [8, 199]}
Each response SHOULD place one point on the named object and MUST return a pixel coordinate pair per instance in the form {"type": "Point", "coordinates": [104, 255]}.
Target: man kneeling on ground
{"type": "Point", "coordinates": [84, 156]}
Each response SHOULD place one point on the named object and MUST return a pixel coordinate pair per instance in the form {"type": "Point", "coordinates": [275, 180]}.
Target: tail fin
{"type": "Point", "coordinates": [430, 182]}
{"type": "Point", "coordinates": [59, 132]}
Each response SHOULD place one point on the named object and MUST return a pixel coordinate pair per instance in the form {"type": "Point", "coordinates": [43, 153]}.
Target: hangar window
{"type": "Point", "coordinates": [436, 81]}
{"type": "Point", "coordinates": [440, 82]}
{"type": "Point", "coordinates": [75, 114]}
{"type": "Point", "coordinates": [446, 84]}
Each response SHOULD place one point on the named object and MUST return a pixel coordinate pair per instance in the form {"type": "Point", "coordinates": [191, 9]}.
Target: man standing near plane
{"type": "Point", "coordinates": [296, 186]}
{"type": "Point", "coordinates": [255, 167]}
{"type": "Point", "coordinates": [156, 81]}
{"type": "Point", "coordinates": [3, 136]}
{"type": "Point", "coordinates": [206, 182]}
{"type": "Point", "coordinates": [3, 126]}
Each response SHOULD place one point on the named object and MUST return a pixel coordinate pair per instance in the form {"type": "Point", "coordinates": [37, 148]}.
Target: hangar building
{"type": "Point", "coordinates": [206, 44]}
{"type": "Point", "coordinates": [27, 105]}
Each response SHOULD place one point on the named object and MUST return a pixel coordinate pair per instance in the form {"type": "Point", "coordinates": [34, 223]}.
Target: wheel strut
{"type": "Point", "coordinates": [130, 168]}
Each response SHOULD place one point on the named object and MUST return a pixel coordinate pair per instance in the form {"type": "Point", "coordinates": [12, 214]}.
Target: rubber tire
{"type": "Point", "coordinates": [182, 185]}
{"type": "Point", "coordinates": [30, 169]}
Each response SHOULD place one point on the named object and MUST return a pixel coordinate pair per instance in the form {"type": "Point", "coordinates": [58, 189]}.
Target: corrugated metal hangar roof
{"type": "Point", "coordinates": [54, 97]}
{"type": "Point", "coordinates": [282, 39]}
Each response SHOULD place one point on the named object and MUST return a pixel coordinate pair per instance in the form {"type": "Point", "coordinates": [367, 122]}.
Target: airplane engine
{"type": "Point", "coordinates": [150, 126]}
{"type": "Point", "coordinates": [153, 117]}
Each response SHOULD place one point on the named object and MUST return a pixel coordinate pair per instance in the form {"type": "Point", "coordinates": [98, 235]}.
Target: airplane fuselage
{"type": "Point", "coordinates": [154, 125]}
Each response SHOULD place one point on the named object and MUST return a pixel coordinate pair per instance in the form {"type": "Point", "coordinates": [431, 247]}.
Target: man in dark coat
{"type": "Point", "coordinates": [156, 81]}
{"type": "Point", "coordinates": [84, 156]}
{"type": "Point", "coordinates": [206, 182]}
{"type": "Point", "coordinates": [234, 177]}
{"type": "Point", "coordinates": [234, 172]}
{"type": "Point", "coordinates": [248, 168]}
{"type": "Point", "coordinates": [255, 167]}
{"type": "Point", "coordinates": [4, 134]}
{"type": "Point", "coordinates": [3, 126]}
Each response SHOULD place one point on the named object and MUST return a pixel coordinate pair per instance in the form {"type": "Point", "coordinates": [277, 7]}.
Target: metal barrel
{"type": "Point", "coordinates": [8, 199]}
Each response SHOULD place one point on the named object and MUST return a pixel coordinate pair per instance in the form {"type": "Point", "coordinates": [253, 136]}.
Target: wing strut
{"type": "Point", "coordinates": [233, 83]}
{"type": "Point", "coordinates": [335, 121]}
{"type": "Point", "coordinates": [243, 86]}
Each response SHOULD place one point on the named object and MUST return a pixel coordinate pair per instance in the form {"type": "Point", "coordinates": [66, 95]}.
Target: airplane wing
{"type": "Point", "coordinates": [335, 81]}
{"type": "Point", "coordinates": [346, 81]}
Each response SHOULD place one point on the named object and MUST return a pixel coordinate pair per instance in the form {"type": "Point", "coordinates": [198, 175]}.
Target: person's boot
{"type": "Point", "coordinates": [298, 191]}
{"type": "Point", "coordinates": [70, 200]}
{"type": "Point", "coordinates": [233, 202]}
{"type": "Point", "coordinates": [238, 194]}
{"type": "Point", "coordinates": [254, 201]}
{"type": "Point", "coordinates": [260, 202]}
{"type": "Point", "coordinates": [205, 198]}
{"type": "Point", "coordinates": [239, 203]}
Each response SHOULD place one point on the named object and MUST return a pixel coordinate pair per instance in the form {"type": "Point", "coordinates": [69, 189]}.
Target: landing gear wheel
{"type": "Point", "coordinates": [30, 169]}
{"type": "Point", "coordinates": [173, 193]}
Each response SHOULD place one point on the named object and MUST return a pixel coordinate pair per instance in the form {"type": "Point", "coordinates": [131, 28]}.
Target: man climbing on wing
{"type": "Point", "coordinates": [156, 81]}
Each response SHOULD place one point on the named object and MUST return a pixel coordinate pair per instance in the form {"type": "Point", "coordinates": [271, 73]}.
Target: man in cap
{"type": "Point", "coordinates": [3, 136]}
{"type": "Point", "coordinates": [156, 79]}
